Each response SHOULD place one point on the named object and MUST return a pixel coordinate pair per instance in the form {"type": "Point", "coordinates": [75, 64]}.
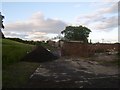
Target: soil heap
{"type": "Point", "coordinates": [39, 54]}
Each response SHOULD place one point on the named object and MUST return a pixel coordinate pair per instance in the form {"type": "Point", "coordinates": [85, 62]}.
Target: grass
{"type": "Point", "coordinates": [15, 73]}
{"type": "Point", "coordinates": [13, 51]}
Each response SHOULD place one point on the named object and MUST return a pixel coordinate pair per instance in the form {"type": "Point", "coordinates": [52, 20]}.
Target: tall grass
{"type": "Point", "coordinates": [13, 51]}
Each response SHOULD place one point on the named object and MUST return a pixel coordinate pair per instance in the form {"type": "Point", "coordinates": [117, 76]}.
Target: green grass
{"type": "Point", "coordinates": [13, 51]}
{"type": "Point", "coordinates": [15, 73]}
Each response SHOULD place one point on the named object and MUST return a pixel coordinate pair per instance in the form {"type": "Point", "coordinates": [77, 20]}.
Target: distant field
{"type": "Point", "coordinates": [13, 51]}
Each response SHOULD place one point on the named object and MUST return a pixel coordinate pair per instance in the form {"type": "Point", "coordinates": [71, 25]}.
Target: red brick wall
{"type": "Point", "coordinates": [74, 49]}
{"type": "Point", "coordinates": [80, 49]}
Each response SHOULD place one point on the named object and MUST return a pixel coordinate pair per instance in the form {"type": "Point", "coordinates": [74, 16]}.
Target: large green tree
{"type": "Point", "coordinates": [77, 33]}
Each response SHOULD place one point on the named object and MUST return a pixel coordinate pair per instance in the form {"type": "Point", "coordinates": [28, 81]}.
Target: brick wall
{"type": "Point", "coordinates": [74, 49]}
{"type": "Point", "coordinates": [80, 49]}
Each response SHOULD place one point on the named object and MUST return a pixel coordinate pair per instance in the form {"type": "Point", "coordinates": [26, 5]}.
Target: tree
{"type": "Point", "coordinates": [1, 26]}
{"type": "Point", "coordinates": [78, 33]}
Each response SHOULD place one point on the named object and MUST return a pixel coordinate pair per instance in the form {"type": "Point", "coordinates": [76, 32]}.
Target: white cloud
{"type": "Point", "coordinates": [35, 26]}
{"type": "Point", "coordinates": [107, 23]}
{"type": "Point", "coordinates": [103, 22]}
{"type": "Point", "coordinates": [14, 34]}
{"type": "Point", "coordinates": [104, 18]}
{"type": "Point", "coordinates": [111, 9]}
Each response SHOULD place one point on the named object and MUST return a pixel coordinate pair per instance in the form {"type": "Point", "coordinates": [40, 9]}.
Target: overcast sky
{"type": "Point", "coordinates": [44, 20]}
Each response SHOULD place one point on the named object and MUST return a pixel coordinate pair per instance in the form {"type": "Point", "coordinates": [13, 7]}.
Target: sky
{"type": "Point", "coordinates": [45, 20]}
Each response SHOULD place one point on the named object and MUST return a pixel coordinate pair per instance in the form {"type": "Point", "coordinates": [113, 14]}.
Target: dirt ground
{"type": "Point", "coordinates": [67, 72]}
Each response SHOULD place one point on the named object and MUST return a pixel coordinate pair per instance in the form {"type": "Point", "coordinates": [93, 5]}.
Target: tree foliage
{"type": "Point", "coordinates": [1, 25]}
{"type": "Point", "coordinates": [78, 33]}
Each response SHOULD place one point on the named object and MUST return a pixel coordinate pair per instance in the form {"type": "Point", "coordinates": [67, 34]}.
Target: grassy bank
{"type": "Point", "coordinates": [13, 51]}
{"type": "Point", "coordinates": [15, 73]}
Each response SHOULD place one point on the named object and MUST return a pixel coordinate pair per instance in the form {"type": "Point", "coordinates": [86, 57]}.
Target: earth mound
{"type": "Point", "coordinates": [39, 54]}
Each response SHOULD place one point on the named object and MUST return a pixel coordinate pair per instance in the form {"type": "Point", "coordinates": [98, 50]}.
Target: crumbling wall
{"type": "Point", "coordinates": [84, 50]}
